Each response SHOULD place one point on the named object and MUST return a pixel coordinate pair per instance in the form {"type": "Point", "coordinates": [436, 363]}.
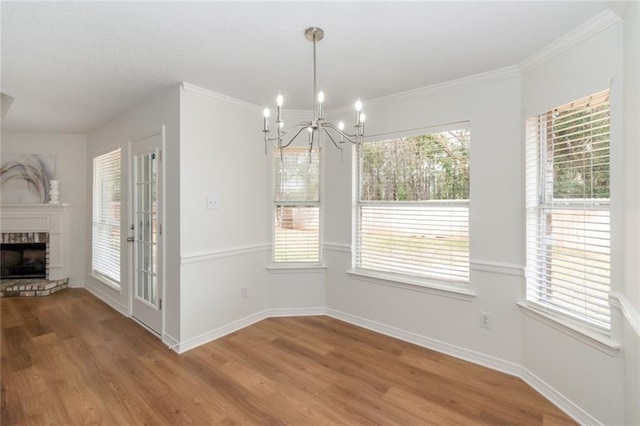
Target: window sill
{"type": "Point", "coordinates": [292, 268]}
{"type": "Point", "coordinates": [580, 333]}
{"type": "Point", "coordinates": [106, 281]}
{"type": "Point", "coordinates": [422, 285]}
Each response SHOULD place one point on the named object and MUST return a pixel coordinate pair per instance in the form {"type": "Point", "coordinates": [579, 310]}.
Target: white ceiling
{"type": "Point", "coordinates": [73, 66]}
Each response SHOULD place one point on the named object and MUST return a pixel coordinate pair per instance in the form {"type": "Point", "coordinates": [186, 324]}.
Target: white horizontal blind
{"type": "Point", "coordinates": [568, 215]}
{"type": "Point", "coordinates": [296, 230]}
{"type": "Point", "coordinates": [106, 215]}
{"type": "Point", "coordinates": [412, 212]}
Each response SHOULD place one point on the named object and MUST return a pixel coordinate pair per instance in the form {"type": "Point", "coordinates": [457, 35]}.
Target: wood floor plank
{"type": "Point", "coordinates": [69, 359]}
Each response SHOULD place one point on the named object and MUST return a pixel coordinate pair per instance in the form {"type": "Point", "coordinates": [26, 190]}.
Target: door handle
{"type": "Point", "coordinates": [130, 239]}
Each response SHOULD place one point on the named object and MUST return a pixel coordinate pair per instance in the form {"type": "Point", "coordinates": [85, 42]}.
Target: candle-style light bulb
{"type": "Point", "coordinates": [363, 117]}
{"type": "Point", "coordinates": [267, 113]}
{"type": "Point", "coordinates": [281, 124]}
{"type": "Point", "coordinates": [279, 101]}
{"type": "Point", "coordinates": [320, 97]}
{"type": "Point", "coordinates": [358, 105]}
{"type": "Point", "coordinates": [341, 126]}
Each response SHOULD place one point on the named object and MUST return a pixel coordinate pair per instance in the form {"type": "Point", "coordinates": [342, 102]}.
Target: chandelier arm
{"type": "Point", "coordinates": [339, 146]}
{"type": "Point", "coordinates": [303, 124]}
{"type": "Point", "coordinates": [351, 138]}
{"type": "Point", "coordinates": [293, 138]}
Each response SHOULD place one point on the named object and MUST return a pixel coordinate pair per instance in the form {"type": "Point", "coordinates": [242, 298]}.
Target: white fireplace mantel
{"type": "Point", "coordinates": [50, 218]}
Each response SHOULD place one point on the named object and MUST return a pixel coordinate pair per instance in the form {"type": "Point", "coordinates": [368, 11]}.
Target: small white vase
{"type": "Point", "coordinates": [54, 192]}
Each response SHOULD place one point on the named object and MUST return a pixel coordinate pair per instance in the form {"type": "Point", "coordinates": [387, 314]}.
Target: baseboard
{"type": "Point", "coordinates": [488, 361]}
{"type": "Point", "coordinates": [76, 284]}
{"type": "Point", "coordinates": [219, 332]}
{"type": "Point", "coordinates": [558, 399]}
{"type": "Point", "coordinates": [122, 309]}
{"type": "Point", "coordinates": [295, 312]}
{"type": "Point", "coordinates": [171, 342]}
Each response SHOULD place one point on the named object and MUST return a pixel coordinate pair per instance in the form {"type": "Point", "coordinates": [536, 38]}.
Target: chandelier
{"type": "Point", "coordinates": [318, 125]}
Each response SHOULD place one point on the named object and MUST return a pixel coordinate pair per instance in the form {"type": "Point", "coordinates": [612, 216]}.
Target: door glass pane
{"type": "Point", "coordinates": [154, 258]}
{"type": "Point", "coordinates": [139, 283]}
{"type": "Point", "coordinates": [153, 289]}
{"type": "Point", "coordinates": [146, 198]}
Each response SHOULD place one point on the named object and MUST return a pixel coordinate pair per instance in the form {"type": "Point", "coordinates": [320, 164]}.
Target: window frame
{"type": "Point", "coordinates": [456, 288]}
{"type": "Point", "coordinates": [541, 202]}
{"type": "Point", "coordinates": [97, 202]}
{"type": "Point", "coordinates": [312, 264]}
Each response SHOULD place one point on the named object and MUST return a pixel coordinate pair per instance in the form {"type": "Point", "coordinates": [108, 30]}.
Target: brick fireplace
{"type": "Point", "coordinates": [34, 249]}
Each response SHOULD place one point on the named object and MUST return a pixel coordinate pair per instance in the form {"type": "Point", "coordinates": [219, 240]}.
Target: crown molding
{"type": "Point", "coordinates": [447, 86]}
{"type": "Point", "coordinates": [188, 87]}
{"type": "Point", "coordinates": [584, 32]}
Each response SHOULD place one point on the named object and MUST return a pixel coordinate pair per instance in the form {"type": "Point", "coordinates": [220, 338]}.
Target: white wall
{"type": "Point", "coordinates": [70, 152]}
{"type": "Point", "coordinates": [225, 249]}
{"type": "Point", "coordinates": [142, 121]}
{"type": "Point", "coordinates": [590, 378]}
{"type": "Point", "coordinates": [491, 104]}
{"type": "Point", "coordinates": [222, 249]}
{"type": "Point", "coordinates": [631, 282]}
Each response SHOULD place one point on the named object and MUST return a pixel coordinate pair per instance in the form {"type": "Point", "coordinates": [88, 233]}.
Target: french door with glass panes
{"type": "Point", "coordinates": [146, 232]}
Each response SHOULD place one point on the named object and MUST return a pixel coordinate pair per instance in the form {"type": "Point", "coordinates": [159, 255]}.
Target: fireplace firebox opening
{"type": "Point", "coordinates": [23, 260]}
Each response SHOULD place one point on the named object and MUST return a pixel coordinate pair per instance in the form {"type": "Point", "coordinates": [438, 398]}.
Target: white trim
{"type": "Point", "coordinates": [582, 334]}
{"type": "Point", "coordinates": [210, 336]}
{"type": "Point", "coordinates": [295, 312]}
{"type": "Point", "coordinates": [146, 327]}
{"type": "Point", "coordinates": [417, 284]}
{"type": "Point", "coordinates": [558, 399]}
{"type": "Point", "coordinates": [337, 247]}
{"type": "Point", "coordinates": [292, 268]}
{"type": "Point", "coordinates": [220, 254]}
{"type": "Point", "coordinates": [500, 268]}
{"type": "Point", "coordinates": [434, 89]}
{"type": "Point", "coordinates": [171, 342]}
{"type": "Point", "coordinates": [585, 31]}
{"type": "Point", "coordinates": [619, 301]}
{"type": "Point", "coordinates": [76, 284]}
{"type": "Point", "coordinates": [39, 205]}
{"type": "Point", "coordinates": [494, 363]}
{"type": "Point", "coordinates": [219, 332]}
{"type": "Point", "coordinates": [106, 281]}
{"type": "Point", "coordinates": [122, 309]}
{"type": "Point", "coordinates": [188, 87]}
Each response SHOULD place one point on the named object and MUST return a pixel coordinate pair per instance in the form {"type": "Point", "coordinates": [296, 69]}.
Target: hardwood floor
{"type": "Point", "coordinates": [70, 359]}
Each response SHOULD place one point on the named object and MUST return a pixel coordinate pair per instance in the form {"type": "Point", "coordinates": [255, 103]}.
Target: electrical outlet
{"type": "Point", "coordinates": [485, 319]}
{"type": "Point", "coordinates": [244, 292]}
{"type": "Point", "coordinates": [212, 203]}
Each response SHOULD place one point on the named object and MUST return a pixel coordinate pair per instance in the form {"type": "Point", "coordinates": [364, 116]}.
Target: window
{"type": "Point", "coordinates": [568, 223]}
{"type": "Point", "coordinates": [296, 228]}
{"type": "Point", "coordinates": [412, 209]}
{"type": "Point", "coordinates": [106, 216]}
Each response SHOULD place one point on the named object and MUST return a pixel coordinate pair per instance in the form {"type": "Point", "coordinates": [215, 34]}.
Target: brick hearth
{"type": "Point", "coordinates": [31, 287]}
